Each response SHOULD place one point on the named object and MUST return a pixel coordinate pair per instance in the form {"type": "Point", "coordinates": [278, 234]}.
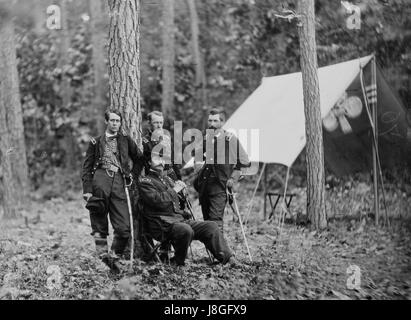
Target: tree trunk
{"type": "Point", "coordinates": [12, 143]}
{"type": "Point", "coordinates": [200, 82]}
{"type": "Point", "coordinates": [124, 71]}
{"type": "Point", "coordinates": [208, 23]}
{"type": "Point", "coordinates": [168, 55]}
{"type": "Point", "coordinates": [312, 111]}
{"type": "Point", "coordinates": [39, 16]}
{"type": "Point", "coordinates": [98, 39]}
{"type": "Point", "coordinates": [200, 76]}
{"type": "Point", "coordinates": [68, 142]}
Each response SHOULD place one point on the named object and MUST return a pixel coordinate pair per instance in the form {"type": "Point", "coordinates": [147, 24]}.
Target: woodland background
{"type": "Point", "coordinates": [63, 88]}
{"type": "Point", "coordinates": [241, 41]}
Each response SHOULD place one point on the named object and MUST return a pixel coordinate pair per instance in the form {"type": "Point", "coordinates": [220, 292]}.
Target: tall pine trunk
{"type": "Point", "coordinates": [68, 142]}
{"type": "Point", "coordinates": [312, 111]}
{"type": "Point", "coordinates": [124, 63]}
{"type": "Point", "coordinates": [124, 72]}
{"type": "Point", "coordinates": [98, 39]}
{"type": "Point", "coordinates": [12, 143]}
{"type": "Point", "coordinates": [200, 80]}
{"type": "Point", "coordinates": [168, 56]}
{"type": "Point", "coordinates": [39, 16]}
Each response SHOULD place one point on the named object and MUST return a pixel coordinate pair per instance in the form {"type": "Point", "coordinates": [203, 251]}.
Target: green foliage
{"type": "Point", "coordinates": [241, 42]}
{"type": "Point", "coordinates": [46, 120]}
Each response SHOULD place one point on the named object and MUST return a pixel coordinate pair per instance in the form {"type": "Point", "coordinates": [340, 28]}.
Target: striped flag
{"type": "Point", "coordinates": [371, 92]}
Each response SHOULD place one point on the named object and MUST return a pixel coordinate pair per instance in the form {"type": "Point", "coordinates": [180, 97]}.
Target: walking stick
{"type": "Point", "coordinates": [131, 219]}
{"type": "Point", "coordinates": [190, 208]}
{"type": "Point", "coordinates": [236, 211]}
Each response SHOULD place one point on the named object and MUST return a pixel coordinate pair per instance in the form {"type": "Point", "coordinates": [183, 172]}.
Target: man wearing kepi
{"type": "Point", "coordinates": [224, 157]}
{"type": "Point", "coordinates": [166, 220]}
{"type": "Point", "coordinates": [106, 169]}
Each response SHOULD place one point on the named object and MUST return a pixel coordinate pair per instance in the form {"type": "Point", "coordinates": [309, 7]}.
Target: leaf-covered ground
{"type": "Point", "coordinates": [299, 264]}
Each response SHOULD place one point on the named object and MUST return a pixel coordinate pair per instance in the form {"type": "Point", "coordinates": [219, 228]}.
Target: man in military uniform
{"type": "Point", "coordinates": [166, 220]}
{"type": "Point", "coordinates": [155, 135]}
{"type": "Point", "coordinates": [224, 157]}
{"type": "Point", "coordinates": [105, 169]}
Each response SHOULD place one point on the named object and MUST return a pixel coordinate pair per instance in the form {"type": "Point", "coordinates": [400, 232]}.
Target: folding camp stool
{"type": "Point", "coordinates": [288, 199]}
{"type": "Point", "coordinates": [154, 249]}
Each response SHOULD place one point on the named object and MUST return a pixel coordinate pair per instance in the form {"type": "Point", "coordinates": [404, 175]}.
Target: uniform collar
{"type": "Point", "coordinates": [108, 135]}
{"type": "Point", "coordinates": [148, 132]}
{"type": "Point", "coordinates": [216, 134]}
{"type": "Point", "coordinates": [156, 174]}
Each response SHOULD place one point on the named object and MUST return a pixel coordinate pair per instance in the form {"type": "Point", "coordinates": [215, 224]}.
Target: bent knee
{"type": "Point", "coordinates": [183, 230]}
{"type": "Point", "coordinates": [212, 226]}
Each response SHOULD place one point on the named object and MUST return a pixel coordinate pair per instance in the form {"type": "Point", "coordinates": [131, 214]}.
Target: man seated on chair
{"type": "Point", "coordinates": [166, 220]}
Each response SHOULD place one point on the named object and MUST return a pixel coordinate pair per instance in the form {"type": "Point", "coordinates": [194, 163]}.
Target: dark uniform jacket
{"type": "Point", "coordinates": [128, 150]}
{"type": "Point", "coordinates": [216, 174]}
{"type": "Point", "coordinates": [160, 203]}
{"type": "Point", "coordinates": [173, 170]}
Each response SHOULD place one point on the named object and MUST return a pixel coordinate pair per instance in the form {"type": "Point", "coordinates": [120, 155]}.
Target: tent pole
{"type": "Point", "coordinates": [375, 147]}
{"type": "Point", "coordinates": [371, 111]}
{"type": "Point", "coordinates": [250, 204]}
{"type": "Point", "coordinates": [265, 193]}
{"type": "Point", "coordinates": [284, 204]}
{"type": "Point", "coordinates": [374, 140]}
{"type": "Point", "coordinates": [375, 178]}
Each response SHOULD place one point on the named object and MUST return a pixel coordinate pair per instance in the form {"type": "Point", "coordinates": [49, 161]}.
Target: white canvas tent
{"type": "Point", "coordinates": [352, 139]}
{"type": "Point", "coordinates": [276, 109]}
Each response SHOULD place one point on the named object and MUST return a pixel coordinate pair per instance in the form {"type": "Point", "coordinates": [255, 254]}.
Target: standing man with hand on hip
{"type": "Point", "coordinates": [105, 169]}
{"type": "Point", "coordinates": [224, 157]}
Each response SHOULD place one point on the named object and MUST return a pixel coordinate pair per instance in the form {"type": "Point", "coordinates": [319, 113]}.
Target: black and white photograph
{"type": "Point", "coordinates": [207, 155]}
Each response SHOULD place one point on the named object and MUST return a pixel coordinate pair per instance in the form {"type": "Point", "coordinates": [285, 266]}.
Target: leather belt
{"type": "Point", "coordinates": [111, 168]}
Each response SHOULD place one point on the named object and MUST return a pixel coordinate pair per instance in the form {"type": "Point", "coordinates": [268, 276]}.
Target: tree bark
{"type": "Point", "coordinates": [39, 16]}
{"type": "Point", "coordinates": [124, 64]}
{"type": "Point", "coordinates": [168, 56]}
{"type": "Point", "coordinates": [200, 81]}
{"type": "Point", "coordinates": [98, 40]}
{"type": "Point", "coordinates": [124, 72]}
{"type": "Point", "coordinates": [64, 33]}
{"type": "Point", "coordinates": [68, 142]}
{"type": "Point", "coordinates": [312, 111]}
{"type": "Point", "coordinates": [12, 143]}
{"type": "Point", "coordinates": [195, 32]}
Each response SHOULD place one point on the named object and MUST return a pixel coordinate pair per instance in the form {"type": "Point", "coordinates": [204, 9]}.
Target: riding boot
{"type": "Point", "coordinates": [118, 245]}
{"type": "Point", "coordinates": [101, 244]}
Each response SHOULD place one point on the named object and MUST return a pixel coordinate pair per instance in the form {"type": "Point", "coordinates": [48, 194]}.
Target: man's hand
{"type": "Point", "coordinates": [232, 182]}
{"type": "Point", "coordinates": [87, 196]}
{"type": "Point", "coordinates": [186, 214]}
{"type": "Point", "coordinates": [179, 185]}
{"type": "Point", "coordinates": [232, 185]}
